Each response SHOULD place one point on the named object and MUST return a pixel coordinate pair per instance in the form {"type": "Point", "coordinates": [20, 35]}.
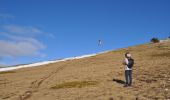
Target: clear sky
{"type": "Point", "coordinates": [40, 30]}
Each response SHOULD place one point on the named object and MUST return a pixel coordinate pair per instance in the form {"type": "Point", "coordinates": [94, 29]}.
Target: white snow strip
{"type": "Point", "coordinates": [47, 62]}
{"type": "Point", "coordinates": [166, 40]}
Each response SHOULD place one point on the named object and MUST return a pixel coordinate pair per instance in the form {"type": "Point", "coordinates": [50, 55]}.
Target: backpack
{"type": "Point", "coordinates": [130, 63]}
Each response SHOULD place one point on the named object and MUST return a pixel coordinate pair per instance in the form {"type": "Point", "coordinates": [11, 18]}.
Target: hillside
{"type": "Point", "coordinates": [99, 77]}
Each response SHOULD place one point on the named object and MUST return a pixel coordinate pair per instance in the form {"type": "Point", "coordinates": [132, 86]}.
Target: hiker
{"type": "Point", "coordinates": [128, 62]}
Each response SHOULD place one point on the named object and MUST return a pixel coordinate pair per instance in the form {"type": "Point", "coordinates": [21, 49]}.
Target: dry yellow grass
{"type": "Point", "coordinates": [151, 77]}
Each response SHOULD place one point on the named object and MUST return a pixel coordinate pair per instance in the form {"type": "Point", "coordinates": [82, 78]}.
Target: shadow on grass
{"type": "Point", "coordinates": [118, 81]}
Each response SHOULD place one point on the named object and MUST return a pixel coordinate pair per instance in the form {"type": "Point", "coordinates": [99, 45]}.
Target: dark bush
{"type": "Point", "coordinates": [154, 40]}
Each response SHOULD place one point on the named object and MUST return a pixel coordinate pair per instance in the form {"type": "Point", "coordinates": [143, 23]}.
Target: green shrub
{"type": "Point", "coordinates": [154, 40]}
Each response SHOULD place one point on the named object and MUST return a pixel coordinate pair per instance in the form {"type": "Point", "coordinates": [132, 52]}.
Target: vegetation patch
{"type": "Point", "coordinates": [75, 84]}
{"type": "Point", "coordinates": [154, 40]}
{"type": "Point", "coordinates": [6, 72]}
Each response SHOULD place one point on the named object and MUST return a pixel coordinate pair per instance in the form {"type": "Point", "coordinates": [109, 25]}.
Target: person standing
{"type": "Point", "coordinates": [128, 62]}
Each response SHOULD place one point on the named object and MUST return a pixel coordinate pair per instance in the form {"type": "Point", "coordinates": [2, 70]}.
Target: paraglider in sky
{"type": "Point", "coordinates": [99, 42]}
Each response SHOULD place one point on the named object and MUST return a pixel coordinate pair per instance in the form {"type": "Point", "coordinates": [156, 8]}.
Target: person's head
{"type": "Point", "coordinates": [127, 55]}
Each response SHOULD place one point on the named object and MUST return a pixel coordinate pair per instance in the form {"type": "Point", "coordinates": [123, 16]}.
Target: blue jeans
{"type": "Point", "coordinates": [128, 77]}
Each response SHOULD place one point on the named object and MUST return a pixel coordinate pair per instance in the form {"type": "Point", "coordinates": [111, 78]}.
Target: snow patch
{"type": "Point", "coordinates": [47, 62]}
{"type": "Point", "coordinates": [166, 40]}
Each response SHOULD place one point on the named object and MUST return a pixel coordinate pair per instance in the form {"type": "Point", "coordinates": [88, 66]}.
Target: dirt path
{"type": "Point", "coordinates": [35, 85]}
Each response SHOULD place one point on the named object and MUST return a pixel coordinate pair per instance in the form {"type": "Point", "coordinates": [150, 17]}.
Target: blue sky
{"type": "Point", "coordinates": [40, 30]}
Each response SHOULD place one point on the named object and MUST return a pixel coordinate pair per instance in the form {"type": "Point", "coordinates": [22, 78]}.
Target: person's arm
{"type": "Point", "coordinates": [126, 61]}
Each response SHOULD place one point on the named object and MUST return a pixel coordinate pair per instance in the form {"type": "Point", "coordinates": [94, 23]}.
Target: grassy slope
{"type": "Point", "coordinates": [99, 77]}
